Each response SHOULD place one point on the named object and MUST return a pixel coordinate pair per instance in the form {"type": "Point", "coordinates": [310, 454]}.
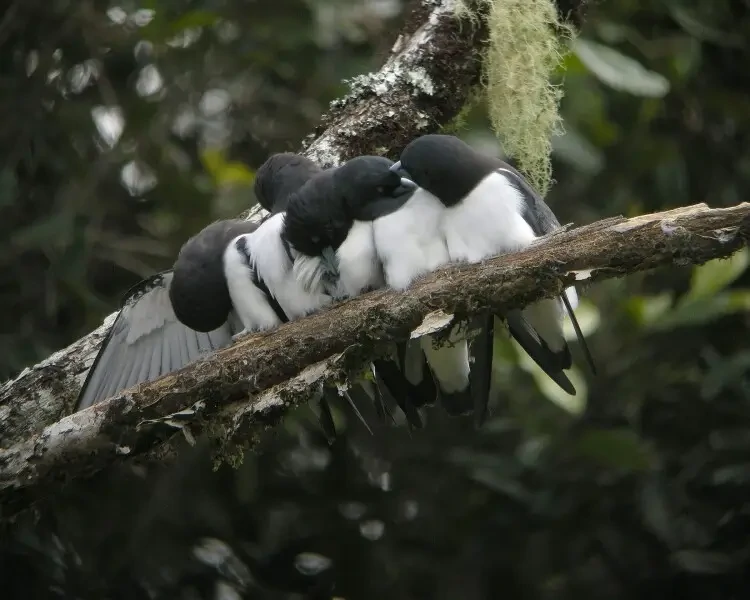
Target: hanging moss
{"type": "Point", "coordinates": [527, 41]}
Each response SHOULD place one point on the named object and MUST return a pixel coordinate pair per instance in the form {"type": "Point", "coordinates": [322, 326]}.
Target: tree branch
{"type": "Point", "coordinates": [237, 392]}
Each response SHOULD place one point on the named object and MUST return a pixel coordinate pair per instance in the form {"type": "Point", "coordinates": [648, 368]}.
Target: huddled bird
{"type": "Point", "coordinates": [410, 243]}
{"type": "Point", "coordinates": [177, 316]}
{"type": "Point", "coordinates": [330, 223]}
{"type": "Point", "coordinates": [488, 208]}
{"type": "Point", "coordinates": [338, 233]}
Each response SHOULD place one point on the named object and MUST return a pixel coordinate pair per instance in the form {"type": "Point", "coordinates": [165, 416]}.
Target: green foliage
{"type": "Point", "coordinates": [614, 448]}
{"type": "Point", "coordinates": [707, 299]}
{"type": "Point", "coordinates": [711, 278]}
{"type": "Point", "coordinates": [226, 173]}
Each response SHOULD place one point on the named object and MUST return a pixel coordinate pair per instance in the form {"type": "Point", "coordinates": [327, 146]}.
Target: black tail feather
{"type": "Point", "coordinates": [579, 333]}
{"type": "Point", "coordinates": [356, 410]}
{"type": "Point", "coordinates": [457, 404]}
{"type": "Point", "coordinates": [423, 393]}
{"type": "Point", "coordinates": [480, 374]}
{"type": "Point", "coordinates": [378, 398]}
{"type": "Point", "coordinates": [538, 350]}
{"type": "Point", "coordinates": [400, 389]}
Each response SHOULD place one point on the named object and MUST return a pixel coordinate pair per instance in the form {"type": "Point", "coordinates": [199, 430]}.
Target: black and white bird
{"type": "Point", "coordinates": [330, 225]}
{"type": "Point", "coordinates": [490, 209]}
{"type": "Point", "coordinates": [171, 319]}
{"type": "Point", "coordinates": [410, 243]}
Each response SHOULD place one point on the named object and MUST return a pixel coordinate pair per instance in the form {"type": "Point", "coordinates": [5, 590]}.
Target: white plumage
{"type": "Point", "coordinates": [409, 241]}
{"type": "Point", "coordinates": [268, 256]}
{"type": "Point", "coordinates": [358, 262]}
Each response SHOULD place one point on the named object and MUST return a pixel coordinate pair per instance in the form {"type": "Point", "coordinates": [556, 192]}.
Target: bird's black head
{"type": "Point", "coordinates": [281, 175]}
{"type": "Point", "coordinates": [320, 214]}
{"type": "Point", "coordinates": [368, 189]}
{"type": "Point", "coordinates": [199, 293]}
{"type": "Point", "coordinates": [445, 166]}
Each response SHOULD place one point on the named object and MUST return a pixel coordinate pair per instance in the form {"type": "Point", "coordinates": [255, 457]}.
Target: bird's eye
{"type": "Point", "coordinates": [315, 239]}
{"type": "Point", "coordinates": [380, 190]}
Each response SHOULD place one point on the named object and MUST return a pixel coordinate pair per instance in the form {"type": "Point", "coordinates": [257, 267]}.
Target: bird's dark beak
{"type": "Point", "coordinates": [407, 184]}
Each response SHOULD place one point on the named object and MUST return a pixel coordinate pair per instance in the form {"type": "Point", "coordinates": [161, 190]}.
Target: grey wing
{"type": "Point", "coordinates": [146, 341]}
{"type": "Point", "coordinates": [535, 212]}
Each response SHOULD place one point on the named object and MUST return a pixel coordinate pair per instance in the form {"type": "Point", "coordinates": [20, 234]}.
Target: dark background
{"type": "Point", "coordinates": [638, 488]}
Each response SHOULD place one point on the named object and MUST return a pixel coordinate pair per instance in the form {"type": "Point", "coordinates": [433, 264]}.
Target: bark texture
{"type": "Point", "coordinates": [236, 393]}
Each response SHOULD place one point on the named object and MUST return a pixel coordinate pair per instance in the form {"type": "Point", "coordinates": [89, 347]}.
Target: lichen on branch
{"type": "Point", "coordinates": [527, 41]}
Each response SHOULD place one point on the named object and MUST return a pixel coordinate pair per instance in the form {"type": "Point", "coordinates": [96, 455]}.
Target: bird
{"type": "Point", "coordinates": [262, 286]}
{"type": "Point", "coordinates": [174, 317]}
{"type": "Point", "coordinates": [329, 224]}
{"type": "Point", "coordinates": [489, 209]}
{"type": "Point", "coordinates": [282, 174]}
{"type": "Point", "coordinates": [410, 244]}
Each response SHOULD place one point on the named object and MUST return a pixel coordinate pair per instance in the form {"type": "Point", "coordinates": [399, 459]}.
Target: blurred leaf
{"type": "Point", "coordinates": [687, 55]}
{"type": "Point", "coordinates": [570, 65]}
{"type": "Point", "coordinates": [530, 450]}
{"type": "Point", "coordinates": [485, 460]}
{"type": "Point", "coordinates": [8, 188]}
{"type": "Point", "coordinates": [723, 373]}
{"type": "Point", "coordinates": [671, 175]}
{"type": "Point", "coordinates": [619, 71]}
{"type": "Point", "coordinates": [715, 275]}
{"type": "Point", "coordinates": [703, 561]}
{"type": "Point", "coordinates": [503, 484]}
{"type": "Point", "coordinates": [502, 347]}
{"type": "Point", "coordinates": [735, 474]}
{"type": "Point", "coordinates": [51, 228]}
{"type": "Point", "coordinates": [226, 172]}
{"type": "Point", "coordinates": [656, 511]}
{"type": "Point", "coordinates": [195, 18]}
{"type": "Point", "coordinates": [645, 310]}
{"type": "Point", "coordinates": [617, 448]}
{"type": "Point", "coordinates": [574, 149]}
{"type": "Point", "coordinates": [699, 28]}
{"type": "Point", "coordinates": [696, 312]}
{"type": "Point", "coordinates": [611, 32]}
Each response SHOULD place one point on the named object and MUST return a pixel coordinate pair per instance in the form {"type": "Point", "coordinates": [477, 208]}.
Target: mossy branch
{"type": "Point", "coordinates": [236, 393]}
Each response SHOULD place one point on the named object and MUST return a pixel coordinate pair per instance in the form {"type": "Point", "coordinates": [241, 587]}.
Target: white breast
{"type": "Point", "coordinates": [409, 241]}
{"type": "Point", "coordinates": [487, 222]}
{"type": "Point", "coordinates": [359, 266]}
{"type": "Point", "coordinates": [269, 257]}
{"type": "Point", "coordinates": [275, 268]}
{"type": "Point", "coordinates": [249, 302]}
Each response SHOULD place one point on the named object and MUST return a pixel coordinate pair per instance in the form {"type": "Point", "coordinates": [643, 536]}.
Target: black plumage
{"type": "Point", "coordinates": [199, 292]}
